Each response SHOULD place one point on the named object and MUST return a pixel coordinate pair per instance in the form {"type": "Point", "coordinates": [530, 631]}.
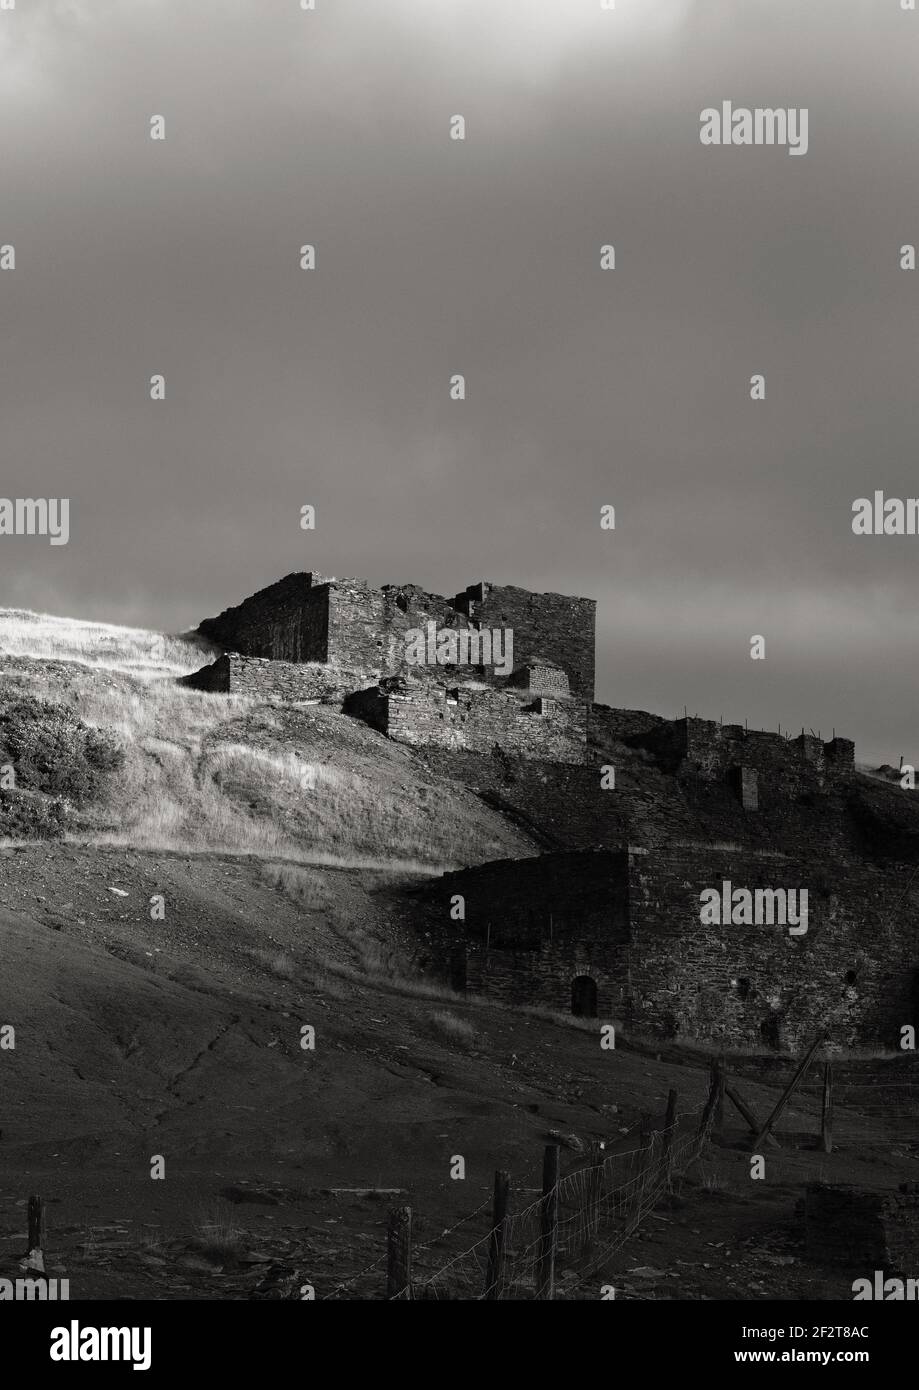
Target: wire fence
{"type": "Point", "coordinates": [599, 1206]}
{"type": "Point", "coordinates": [873, 1105]}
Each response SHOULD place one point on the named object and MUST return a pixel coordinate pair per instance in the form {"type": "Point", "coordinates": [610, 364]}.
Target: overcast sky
{"type": "Point", "coordinates": [331, 387]}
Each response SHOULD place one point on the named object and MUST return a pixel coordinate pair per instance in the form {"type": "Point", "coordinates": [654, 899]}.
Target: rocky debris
{"type": "Point", "coordinates": [247, 1194]}
{"type": "Point", "coordinates": [567, 1141]}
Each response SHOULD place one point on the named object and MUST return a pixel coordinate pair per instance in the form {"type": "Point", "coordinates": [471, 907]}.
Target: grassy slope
{"type": "Point", "coordinates": [211, 772]}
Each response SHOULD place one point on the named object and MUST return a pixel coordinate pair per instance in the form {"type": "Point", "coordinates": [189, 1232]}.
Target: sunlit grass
{"type": "Point", "coordinates": [135, 651]}
{"type": "Point", "coordinates": [207, 772]}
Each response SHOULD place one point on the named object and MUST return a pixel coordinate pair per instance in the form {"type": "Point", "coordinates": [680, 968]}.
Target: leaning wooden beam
{"type": "Point", "coordinates": [790, 1089]}
{"type": "Point", "coordinates": [747, 1114]}
{"type": "Point", "coordinates": [366, 1191]}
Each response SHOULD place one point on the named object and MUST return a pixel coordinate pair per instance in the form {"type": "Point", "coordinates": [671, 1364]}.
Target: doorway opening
{"type": "Point", "coordinates": [584, 996]}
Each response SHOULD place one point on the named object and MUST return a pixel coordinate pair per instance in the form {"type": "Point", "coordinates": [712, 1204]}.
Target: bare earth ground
{"type": "Point", "coordinates": [181, 1038]}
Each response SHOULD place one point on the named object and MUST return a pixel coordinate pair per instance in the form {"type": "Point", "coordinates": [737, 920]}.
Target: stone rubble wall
{"type": "Point", "coordinates": [476, 720]}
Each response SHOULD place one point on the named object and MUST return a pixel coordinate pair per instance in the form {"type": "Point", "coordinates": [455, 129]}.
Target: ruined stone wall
{"type": "Point", "coordinates": [552, 626]}
{"type": "Point", "coordinates": [477, 720]}
{"type": "Point", "coordinates": [532, 926]}
{"type": "Point", "coordinates": [367, 626]}
{"type": "Point", "coordinates": [543, 680]}
{"type": "Point", "coordinates": [214, 678]}
{"type": "Point", "coordinates": [562, 804]}
{"type": "Point", "coordinates": [853, 972]}
{"type": "Point", "coordinates": [262, 679]}
{"type": "Point", "coordinates": [631, 918]}
{"type": "Point", "coordinates": [312, 617]}
{"type": "Point", "coordinates": [617, 725]}
{"type": "Point", "coordinates": [288, 621]}
{"type": "Point", "coordinates": [863, 1229]}
{"type": "Point", "coordinates": [785, 767]}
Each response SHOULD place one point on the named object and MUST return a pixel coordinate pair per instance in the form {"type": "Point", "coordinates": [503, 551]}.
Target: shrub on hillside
{"type": "Point", "coordinates": [25, 816]}
{"type": "Point", "coordinates": [54, 752]}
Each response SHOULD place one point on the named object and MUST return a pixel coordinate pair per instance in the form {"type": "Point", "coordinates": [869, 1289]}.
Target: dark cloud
{"type": "Point", "coordinates": [283, 127]}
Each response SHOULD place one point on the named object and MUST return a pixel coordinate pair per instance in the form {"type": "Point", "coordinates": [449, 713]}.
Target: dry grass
{"type": "Point", "coordinates": [192, 783]}
{"type": "Point", "coordinates": [376, 970]}
{"type": "Point", "coordinates": [452, 1029]}
{"type": "Point", "coordinates": [278, 963]}
{"type": "Point", "coordinates": [134, 651]}
{"type": "Point", "coordinates": [226, 774]}
{"type": "Point", "coordinates": [712, 1182]}
{"type": "Point", "coordinates": [307, 888]}
{"type": "Point", "coordinates": [185, 786]}
{"type": "Point", "coordinates": [386, 968]}
{"type": "Point", "coordinates": [216, 1238]}
{"type": "Point", "coordinates": [328, 986]}
{"type": "Point", "coordinates": [270, 772]}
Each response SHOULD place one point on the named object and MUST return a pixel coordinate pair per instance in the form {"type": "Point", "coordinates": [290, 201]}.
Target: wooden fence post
{"type": "Point", "coordinates": [826, 1116]}
{"type": "Point", "coordinates": [36, 1223]}
{"type": "Point", "coordinates": [595, 1188]}
{"type": "Point", "coordinates": [399, 1253]}
{"type": "Point", "coordinates": [495, 1274]}
{"type": "Point", "coordinates": [669, 1130]}
{"type": "Point", "coordinates": [548, 1214]}
{"type": "Point", "coordinates": [715, 1091]}
{"type": "Point", "coordinates": [719, 1075]}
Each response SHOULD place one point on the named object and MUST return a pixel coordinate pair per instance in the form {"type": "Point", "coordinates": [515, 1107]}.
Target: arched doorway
{"type": "Point", "coordinates": [584, 996]}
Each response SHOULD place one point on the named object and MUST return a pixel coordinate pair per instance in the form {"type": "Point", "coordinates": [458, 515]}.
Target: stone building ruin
{"type": "Point", "coordinates": [312, 637]}
{"type": "Point", "coordinates": [604, 919]}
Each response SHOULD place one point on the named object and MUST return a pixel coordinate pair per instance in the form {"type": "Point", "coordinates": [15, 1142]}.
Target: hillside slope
{"type": "Point", "coordinates": [214, 772]}
{"type": "Point", "coordinates": [240, 877]}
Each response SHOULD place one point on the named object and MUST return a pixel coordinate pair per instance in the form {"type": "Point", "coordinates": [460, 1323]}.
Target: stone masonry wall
{"type": "Point", "coordinates": [631, 918]}
{"type": "Point", "coordinates": [543, 680]}
{"type": "Point", "coordinates": [476, 720]}
{"type": "Point", "coordinates": [789, 766]}
{"type": "Point", "coordinates": [853, 972]}
{"type": "Point", "coordinates": [263, 679]}
{"type": "Point", "coordinates": [288, 621]}
{"type": "Point", "coordinates": [561, 804]}
{"type": "Point", "coordinates": [619, 725]}
{"type": "Point", "coordinates": [532, 926]}
{"type": "Point", "coordinates": [311, 617]}
{"type": "Point", "coordinates": [553, 626]}
{"type": "Point", "coordinates": [367, 626]}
